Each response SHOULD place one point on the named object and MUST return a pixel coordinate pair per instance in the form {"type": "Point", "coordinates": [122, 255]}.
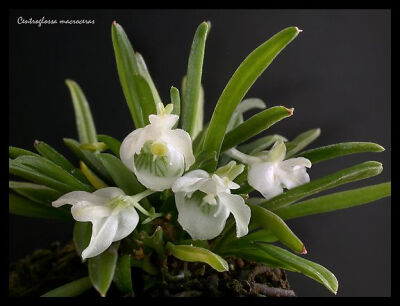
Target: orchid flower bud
{"type": "Point", "coordinates": [158, 154]}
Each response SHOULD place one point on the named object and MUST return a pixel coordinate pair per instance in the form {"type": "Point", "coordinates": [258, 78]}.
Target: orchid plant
{"type": "Point", "coordinates": [200, 178]}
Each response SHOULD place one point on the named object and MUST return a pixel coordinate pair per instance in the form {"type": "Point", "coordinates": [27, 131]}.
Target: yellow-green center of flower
{"type": "Point", "coordinates": [159, 149]}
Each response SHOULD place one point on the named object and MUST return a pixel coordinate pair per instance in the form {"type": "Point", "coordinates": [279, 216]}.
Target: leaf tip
{"type": "Point", "coordinates": [298, 30]}
{"type": "Point", "coordinates": [304, 250]}
{"type": "Point", "coordinates": [114, 23]}
{"type": "Point", "coordinates": [290, 110]}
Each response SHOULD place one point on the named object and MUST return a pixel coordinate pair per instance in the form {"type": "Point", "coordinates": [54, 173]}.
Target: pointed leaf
{"type": "Point", "coordinates": [340, 149]}
{"type": "Point", "coordinates": [270, 221]}
{"type": "Point", "coordinates": [241, 81]}
{"type": "Point", "coordinates": [146, 100]}
{"type": "Point", "coordinates": [51, 154]}
{"type": "Point", "coordinates": [335, 201]}
{"type": "Point", "coordinates": [102, 269]}
{"type": "Point", "coordinates": [83, 115]}
{"type": "Point", "coordinates": [122, 276]}
{"type": "Point", "coordinates": [255, 125]}
{"type": "Point", "coordinates": [37, 193]}
{"type": "Point", "coordinates": [144, 72]}
{"type": "Point", "coordinates": [35, 176]}
{"type": "Point", "coordinates": [176, 102]}
{"type": "Point", "coordinates": [193, 82]}
{"type": "Point", "coordinates": [81, 235]}
{"type": "Point", "coordinates": [301, 141]}
{"type": "Point", "coordinates": [351, 174]}
{"type": "Point", "coordinates": [27, 208]}
{"type": "Point", "coordinates": [72, 289]}
{"type": "Point", "coordinates": [196, 254]}
{"type": "Point", "coordinates": [304, 266]}
{"type": "Point", "coordinates": [50, 169]}
{"type": "Point", "coordinates": [14, 152]}
{"type": "Point", "coordinates": [127, 67]}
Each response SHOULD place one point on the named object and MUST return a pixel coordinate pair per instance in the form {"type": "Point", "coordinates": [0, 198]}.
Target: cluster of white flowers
{"type": "Point", "coordinates": [159, 155]}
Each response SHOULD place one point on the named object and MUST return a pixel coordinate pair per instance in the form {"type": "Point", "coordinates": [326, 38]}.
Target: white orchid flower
{"type": "Point", "coordinates": [111, 212]}
{"type": "Point", "coordinates": [158, 154]}
{"type": "Point", "coordinates": [269, 173]}
{"type": "Point", "coordinates": [204, 202]}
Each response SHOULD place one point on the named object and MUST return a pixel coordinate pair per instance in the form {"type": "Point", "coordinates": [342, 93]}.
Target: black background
{"type": "Point", "coordinates": [336, 74]}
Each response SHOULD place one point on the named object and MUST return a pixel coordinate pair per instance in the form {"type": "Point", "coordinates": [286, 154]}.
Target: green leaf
{"type": "Point", "coordinates": [344, 176]}
{"type": "Point", "coordinates": [37, 193]}
{"type": "Point", "coordinates": [244, 106]}
{"type": "Point", "coordinates": [43, 166]}
{"type": "Point", "coordinates": [304, 266]}
{"type": "Point", "coordinates": [72, 289]}
{"type": "Point", "coordinates": [146, 100]}
{"type": "Point", "coordinates": [102, 269]}
{"type": "Point", "coordinates": [335, 201]}
{"type": "Point", "coordinates": [341, 149]}
{"type": "Point", "coordinates": [196, 254]}
{"type": "Point", "coordinates": [199, 140]}
{"type": "Point", "coordinates": [127, 67]}
{"type": "Point", "coordinates": [259, 235]}
{"type": "Point", "coordinates": [122, 276]}
{"type": "Point", "coordinates": [203, 159]}
{"type": "Point", "coordinates": [270, 221]}
{"type": "Point", "coordinates": [144, 72]}
{"type": "Point", "coordinates": [14, 152]}
{"type": "Point", "coordinates": [35, 176]}
{"type": "Point", "coordinates": [83, 116]}
{"type": "Point", "coordinates": [121, 175]}
{"type": "Point", "coordinates": [89, 158]}
{"type": "Point", "coordinates": [81, 235]}
{"type": "Point", "coordinates": [193, 82]}
{"type": "Point", "coordinates": [27, 208]}
{"type": "Point", "coordinates": [112, 143]}
{"type": "Point", "coordinates": [255, 125]}
{"type": "Point", "coordinates": [252, 253]}
{"type": "Point", "coordinates": [260, 144]}
{"type": "Point", "coordinates": [241, 81]}
{"type": "Point", "coordinates": [301, 141]}
{"type": "Point", "coordinates": [176, 102]}
{"type": "Point", "coordinates": [51, 154]}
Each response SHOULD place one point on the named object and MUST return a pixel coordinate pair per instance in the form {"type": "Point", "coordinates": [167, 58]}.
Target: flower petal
{"type": "Point", "coordinates": [190, 182]}
{"type": "Point", "coordinates": [163, 122]}
{"type": "Point", "coordinates": [241, 212]}
{"type": "Point", "coordinates": [78, 196]}
{"type": "Point", "coordinates": [201, 220]}
{"type": "Point", "coordinates": [128, 219]}
{"type": "Point", "coordinates": [103, 233]}
{"type": "Point", "coordinates": [277, 152]}
{"type": "Point", "coordinates": [262, 178]}
{"type": "Point", "coordinates": [161, 173]}
{"type": "Point", "coordinates": [293, 178]}
{"type": "Point", "coordinates": [182, 142]}
{"type": "Point", "coordinates": [295, 163]}
{"type": "Point", "coordinates": [132, 144]}
{"type": "Point", "coordinates": [85, 211]}
{"type": "Point", "coordinates": [109, 192]}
